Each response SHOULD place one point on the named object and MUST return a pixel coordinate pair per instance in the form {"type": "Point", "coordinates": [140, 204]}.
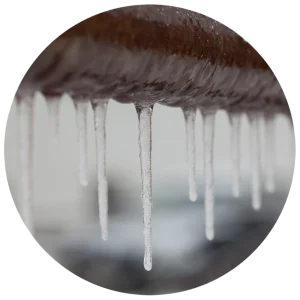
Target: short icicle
{"type": "Point", "coordinates": [235, 121]}
{"type": "Point", "coordinates": [288, 118]}
{"type": "Point", "coordinates": [189, 115]}
{"type": "Point", "coordinates": [81, 117]}
{"type": "Point", "coordinates": [269, 151]}
{"type": "Point", "coordinates": [145, 146]}
{"type": "Point", "coordinates": [100, 108]}
{"type": "Point", "coordinates": [208, 151]}
{"type": "Point", "coordinates": [53, 105]}
{"type": "Point", "coordinates": [255, 160]}
{"type": "Point", "coordinates": [25, 111]}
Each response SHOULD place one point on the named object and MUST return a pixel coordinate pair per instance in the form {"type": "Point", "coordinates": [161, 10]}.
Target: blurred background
{"type": "Point", "coordinates": [66, 214]}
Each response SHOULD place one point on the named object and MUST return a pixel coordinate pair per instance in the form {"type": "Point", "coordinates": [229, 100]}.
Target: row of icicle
{"type": "Point", "coordinates": [25, 111]}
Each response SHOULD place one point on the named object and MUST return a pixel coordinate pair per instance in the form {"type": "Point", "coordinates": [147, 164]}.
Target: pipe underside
{"type": "Point", "coordinates": [156, 54]}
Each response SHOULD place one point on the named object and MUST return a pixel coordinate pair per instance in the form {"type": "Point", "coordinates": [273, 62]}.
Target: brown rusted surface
{"type": "Point", "coordinates": [149, 54]}
{"type": "Point", "coordinates": [189, 39]}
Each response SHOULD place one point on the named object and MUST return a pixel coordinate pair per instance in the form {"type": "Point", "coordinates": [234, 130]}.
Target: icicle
{"type": "Point", "coordinates": [255, 160]}
{"type": "Point", "coordinates": [53, 104]}
{"type": "Point", "coordinates": [235, 120]}
{"type": "Point", "coordinates": [145, 145]}
{"type": "Point", "coordinates": [81, 115]}
{"type": "Point", "coordinates": [208, 138]}
{"type": "Point", "coordinates": [189, 115]}
{"type": "Point", "coordinates": [18, 126]}
{"type": "Point", "coordinates": [25, 110]}
{"type": "Point", "coordinates": [291, 143]}
{"type": "Point", "coordinates": [100, 108]}
{"type": "Point", "coordinates": [269, 151]}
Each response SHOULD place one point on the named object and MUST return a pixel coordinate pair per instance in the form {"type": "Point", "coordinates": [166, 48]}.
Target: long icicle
{"type": "Point", "coordinates": [100, 109]}
{"type": "Point", "coordinates": [81, 116]}
{"type": "Point", "coordinates": [235, 121]}
{"type": "Point", "coordinates": [26, 114]}
{"type": "Point", "coordinates": [145, 145]}
{"type": "Point", "coordinates": [53, 105]}
{"type": "Point", "coordinates": [255, 160]}
{"type": "Point", "coordinates": [208, 138]}
{"type": "Point", "coordinates": [189, 115]}
{"type": "Point", "coordinates": [269, 151]}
